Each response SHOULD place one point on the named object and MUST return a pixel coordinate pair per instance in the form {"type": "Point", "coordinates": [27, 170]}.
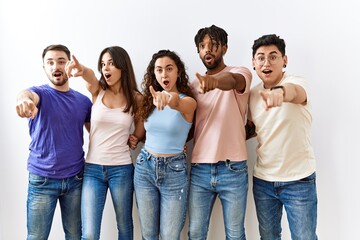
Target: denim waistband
{"type": "Point", "coordinates": [150, 156]}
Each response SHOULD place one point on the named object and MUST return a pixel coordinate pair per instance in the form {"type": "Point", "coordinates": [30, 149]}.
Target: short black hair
{"type": "Point", "coordinates": [56, 47]}
{"type": "Point", "coordinates": [267, 40]}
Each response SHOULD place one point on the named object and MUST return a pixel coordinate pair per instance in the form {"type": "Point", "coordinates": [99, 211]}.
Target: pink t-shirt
{"type": "Point", "coordinates": [220, 118]}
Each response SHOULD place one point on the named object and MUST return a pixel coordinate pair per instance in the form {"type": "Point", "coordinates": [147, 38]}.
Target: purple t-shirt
{"type": "Point", "coordinates": [56, 147]}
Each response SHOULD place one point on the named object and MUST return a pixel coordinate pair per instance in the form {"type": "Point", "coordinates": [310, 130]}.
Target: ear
{"type": "Point", "coordinates": [285, 61]}
{"type": "Point", "coordinates": [224, 49]}
{"type": "Point", "coordinates": [253, 63]}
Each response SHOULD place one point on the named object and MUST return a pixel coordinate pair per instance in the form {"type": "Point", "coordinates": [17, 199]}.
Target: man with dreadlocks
{"type": "Point", "coordinates": [219, 166]}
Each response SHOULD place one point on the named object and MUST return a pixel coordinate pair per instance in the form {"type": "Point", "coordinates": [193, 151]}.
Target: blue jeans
{"type": "Point", "coordinates": [300, 201]}
{"type": "Point", "coordinates": [161, 188]}
{"type": "Point", "coordinates": [97, 180]}
{"type": "Point", "coordinates": [43, 194]}
{"type": "Point", "coordinates": [229, 181]}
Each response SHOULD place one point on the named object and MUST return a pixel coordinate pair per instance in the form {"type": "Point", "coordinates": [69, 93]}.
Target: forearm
{"type": "Point", "coordinates": [92, 82]}
{"type": "Point", "coordinates": [294, 93]}
{"type": "Point", "coordinates": [230, 81]}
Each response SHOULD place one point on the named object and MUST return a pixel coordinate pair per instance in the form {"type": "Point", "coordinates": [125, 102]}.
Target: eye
{"type": "Point", "coordinates": [261, 58]}
{"type": "Point", "coordinates": [62, 62]}
{"type": "Point", "coordinates": [169, 69]}
{"type": "Point", "coordinates": [272, 57]}
{"type": "Point", "coordinates": [111, 63]}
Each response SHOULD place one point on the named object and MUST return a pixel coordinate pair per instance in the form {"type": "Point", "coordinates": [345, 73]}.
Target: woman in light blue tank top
{"type": "Point", "coordinates": [160, 178]}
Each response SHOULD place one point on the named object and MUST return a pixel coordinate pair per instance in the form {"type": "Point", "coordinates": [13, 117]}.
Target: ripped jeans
{"type": "Point", "coordinates": [161, 189]}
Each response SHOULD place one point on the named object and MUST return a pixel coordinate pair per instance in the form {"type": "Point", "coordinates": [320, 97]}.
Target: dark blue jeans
{"type": "Point", "coordinates": [300, 201]}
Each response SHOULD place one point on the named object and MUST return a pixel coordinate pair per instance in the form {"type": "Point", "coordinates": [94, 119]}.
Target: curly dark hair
{"type": "Point", "coordinates": [182, 82]}
{"type": "Point", "coordinates": [128, 84]}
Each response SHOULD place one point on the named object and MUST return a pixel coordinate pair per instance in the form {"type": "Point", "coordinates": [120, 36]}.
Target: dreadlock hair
{"type": "Point", "coordinates": [128, 84]}
{"type": "Point", "coordinates": [215, 33]}
{"type": "Point", "coordinates": [182, 82]}
{"type": "Point", "coordinates": [267, 40]}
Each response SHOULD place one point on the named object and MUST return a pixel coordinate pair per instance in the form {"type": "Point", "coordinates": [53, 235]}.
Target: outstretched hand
{"type": "Point", "coordinates": [160, 99]}
{"type": "Point", "coordinates": [73, 68]}
{"type": "Point", "coordinates": [207, 83]}
{"type": "Point", "coordinates": [26, 108]}
{"type": "Point", "coordinates": [272, 98]}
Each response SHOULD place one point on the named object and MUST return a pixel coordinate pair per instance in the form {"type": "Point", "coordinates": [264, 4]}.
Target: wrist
{"type": "Point", "coordinates": [279, 87]}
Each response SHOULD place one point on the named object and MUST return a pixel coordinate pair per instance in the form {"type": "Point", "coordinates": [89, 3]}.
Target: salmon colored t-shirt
{"type": "Point", "coordinates": [220, 118]}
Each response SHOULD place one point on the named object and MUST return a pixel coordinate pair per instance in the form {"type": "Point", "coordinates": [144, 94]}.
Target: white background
{"type": "Point", "coordinates": [322, 39]}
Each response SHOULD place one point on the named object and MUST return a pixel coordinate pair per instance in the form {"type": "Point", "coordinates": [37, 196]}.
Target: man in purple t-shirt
{"type": "Point", "coordinates": [57, 115]}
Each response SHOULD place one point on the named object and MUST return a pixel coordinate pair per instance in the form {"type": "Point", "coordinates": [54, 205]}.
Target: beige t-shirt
{"type": "Point", "coordinates": [219, 126]}
{"type": "Point", "coordinates": [284, 151]}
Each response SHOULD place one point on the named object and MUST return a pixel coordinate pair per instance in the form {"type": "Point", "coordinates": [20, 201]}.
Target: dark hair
{"type": "Point", "coordinates": [267, 40]}
{"type": "Point", "coordinates": [182, 83]}
{"type": "Point", "coordinates": [56, 47]}
{"type": "Point", "coordinates": [128, 84]}
{"type": "Point", "coordinates": [215, 33]}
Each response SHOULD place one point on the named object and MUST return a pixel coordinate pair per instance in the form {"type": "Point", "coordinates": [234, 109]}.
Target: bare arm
{"type": "Point", "coordinates": [186, 105]}
{"type": "Point", "coordinates": [26, 105]}
{"type": "Point", "coordinates": [139, 131]}
{"type": "Point", "coordinates": [224, 81]}
{"type": "Point", "coordinates": [86, 73]}
{"type": "Point", "coordinates": [289, 92]}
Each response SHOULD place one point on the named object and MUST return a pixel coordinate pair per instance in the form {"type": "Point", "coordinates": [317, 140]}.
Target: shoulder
{"type": "Point", "coordinates": [295, 79]}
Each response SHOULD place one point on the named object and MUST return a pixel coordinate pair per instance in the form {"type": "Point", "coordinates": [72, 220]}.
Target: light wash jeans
{"type": "Point", "coordinates": [300, 201]}
{"type": "Point", "coordinates": [229, 181]}
{"type": "Point", "coordinates": [43, 194]}
{"type": "Point", "coordinates": [161, 188]}
{"type": "Point", "coordinates": [97, 180]}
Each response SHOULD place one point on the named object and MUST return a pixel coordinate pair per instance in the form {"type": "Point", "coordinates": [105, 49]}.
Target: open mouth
{"type": "Point", "coordinates": [267, 71]}
{"type": "Point", "coordinates": [57, 74]}
{"type": "Point", "coordinates": [107, 75]}
{"type": "Point", "coordinates": [208, 58]}
{"type": "Point", "coordinates": [166, 83]}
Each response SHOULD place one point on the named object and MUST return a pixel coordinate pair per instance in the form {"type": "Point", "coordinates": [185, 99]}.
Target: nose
{"type": "Point", "coordinates": [266, 62]}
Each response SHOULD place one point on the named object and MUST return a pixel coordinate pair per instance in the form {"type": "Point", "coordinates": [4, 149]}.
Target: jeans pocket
{"type": "Point", "coordinates": [238, 167]}
{"type": "Point", "coordinates": [310, 179]}
{"type": "Point", "coordinates": [140, 159]}
{"type": "Point", "coordinates": [79, 176]}
{"type": "Point", "coordinates": [36, 180]}
{"type": "Point", "coordinates": [177, 165]}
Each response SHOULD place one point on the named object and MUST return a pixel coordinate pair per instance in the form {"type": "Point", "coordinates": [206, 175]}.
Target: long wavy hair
{"type": "Point", "coordinates": [128, 84]}
{"type": "Point", "coordinates": [182, 82]}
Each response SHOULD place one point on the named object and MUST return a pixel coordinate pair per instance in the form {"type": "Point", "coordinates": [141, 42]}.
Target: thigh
{"type": "Point", "coordinates": [201, 201]}
{"type": "Point", "coordinates": [70, 203]}
{"type": "Point", "coordinates": [93, 198]}
{"type": "Point", "coordinates": [121, 190]}
{"type": "Point", "coordinates": [232, 189]}
{"type": "Point", "coordinates": [300, 201]}
{"type": "Point", "coordinates": [41, 203]}
{"type": "Point", "coordinates": [268, 209]}
{"type": "Point", "coordinates": [147, 197]}
{"type": "Point", "coordinates": [173, 198]}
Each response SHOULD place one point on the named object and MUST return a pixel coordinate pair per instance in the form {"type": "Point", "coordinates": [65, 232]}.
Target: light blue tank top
{"type": "Point", "coordinates": [166, 131]}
